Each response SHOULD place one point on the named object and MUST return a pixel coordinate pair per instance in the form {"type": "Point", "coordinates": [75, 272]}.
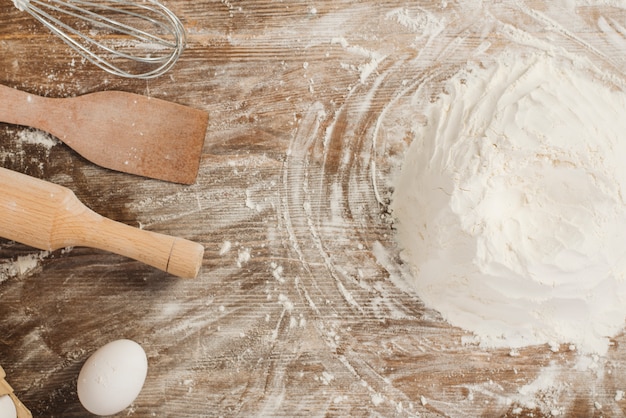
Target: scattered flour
{"type": "Point", "coordinates": [377, 399]}
{"type": "Point", "coordinates": [21, 266]}
{"type": "Point", "coordinates": [243, 257]}
{"type": "Point", "coordinates": [510, 204]}
{"type": "Point", "coordinates": [226, 246]}
{"type": "Point", "coordinates": [365, 69]}
{"type": "Point", "coordinates": [277, 272]}
{"type": "Point", "coordinates": [36, 137]}
{"type": "Point", "coordinates": [28, 140]}
{"type": "Point", "coordinates": [423, 23]}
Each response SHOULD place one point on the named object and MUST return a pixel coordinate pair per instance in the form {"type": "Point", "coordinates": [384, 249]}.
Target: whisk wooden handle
{"type": "Point", "coordinates": [48, 216]}
{"type": "Point", "coordinates": [6, 389]}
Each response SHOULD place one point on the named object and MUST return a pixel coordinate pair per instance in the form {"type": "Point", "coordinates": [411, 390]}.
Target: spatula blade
{"type": "Point", "coordinates": [137, 134]}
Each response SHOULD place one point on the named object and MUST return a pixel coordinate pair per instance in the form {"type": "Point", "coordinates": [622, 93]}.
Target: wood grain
{"type": "Point", "coordinates": [301, 307]}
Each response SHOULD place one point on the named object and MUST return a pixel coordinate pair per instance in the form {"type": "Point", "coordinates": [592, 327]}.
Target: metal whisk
{"type": "Point", "coordinates": [141, 39]}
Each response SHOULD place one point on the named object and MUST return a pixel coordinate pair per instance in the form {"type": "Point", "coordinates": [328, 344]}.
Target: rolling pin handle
{"type": "Point", "coordinates": [185, 258]}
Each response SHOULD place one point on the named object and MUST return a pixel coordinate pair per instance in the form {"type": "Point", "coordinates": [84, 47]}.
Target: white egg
{"type": "Point", "coordinates": [7, 407]}
{"type": "Point", "coordinates": [112, 377]}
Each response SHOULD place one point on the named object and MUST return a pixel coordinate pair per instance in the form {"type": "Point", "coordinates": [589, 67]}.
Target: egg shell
{"type": "Point", "coordinates": [7, 407]}
{"type": "Point", "coordinates": [111, 379]}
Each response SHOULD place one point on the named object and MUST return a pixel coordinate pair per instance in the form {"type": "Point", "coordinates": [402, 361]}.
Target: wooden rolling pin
{"type": "Point", "coordinates": [6, 389]}
{"type": "Point", "coordinates": [48, 216]}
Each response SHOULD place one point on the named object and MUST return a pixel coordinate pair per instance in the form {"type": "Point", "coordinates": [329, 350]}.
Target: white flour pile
{"type": "Point", "coordinates": [510, 204]}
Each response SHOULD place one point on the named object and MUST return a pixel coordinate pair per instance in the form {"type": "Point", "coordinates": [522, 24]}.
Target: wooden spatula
{"type": "Point", "coordinates": [48, 216]}
{"type": "Point", "coordinates": [117, 130]}
{"type": "Point", "coordinates": [6, 389]}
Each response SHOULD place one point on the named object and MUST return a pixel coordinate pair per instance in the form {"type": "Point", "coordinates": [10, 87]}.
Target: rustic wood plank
{"type": "Point", "coordinates": [300, 308]}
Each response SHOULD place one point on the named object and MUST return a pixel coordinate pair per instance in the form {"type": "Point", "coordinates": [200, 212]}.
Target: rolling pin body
{"type": "Point", "coordinates": [48, 216]}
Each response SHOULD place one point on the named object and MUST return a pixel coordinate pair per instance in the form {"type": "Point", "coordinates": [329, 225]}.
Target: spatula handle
{"type": "Point", "coordinates": [48, 216]}
{"type": "Point", "coordinates": [21, 108]}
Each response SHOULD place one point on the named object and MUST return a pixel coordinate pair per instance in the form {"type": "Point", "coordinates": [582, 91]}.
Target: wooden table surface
{"type": "Point", "coordinates": [301, 307]}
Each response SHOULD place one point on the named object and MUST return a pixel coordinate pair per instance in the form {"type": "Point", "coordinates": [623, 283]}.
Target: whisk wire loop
{"type": "Point", "coordinates": [165, 45]}
{"type": "Point", "coordinates": [125, 29]}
